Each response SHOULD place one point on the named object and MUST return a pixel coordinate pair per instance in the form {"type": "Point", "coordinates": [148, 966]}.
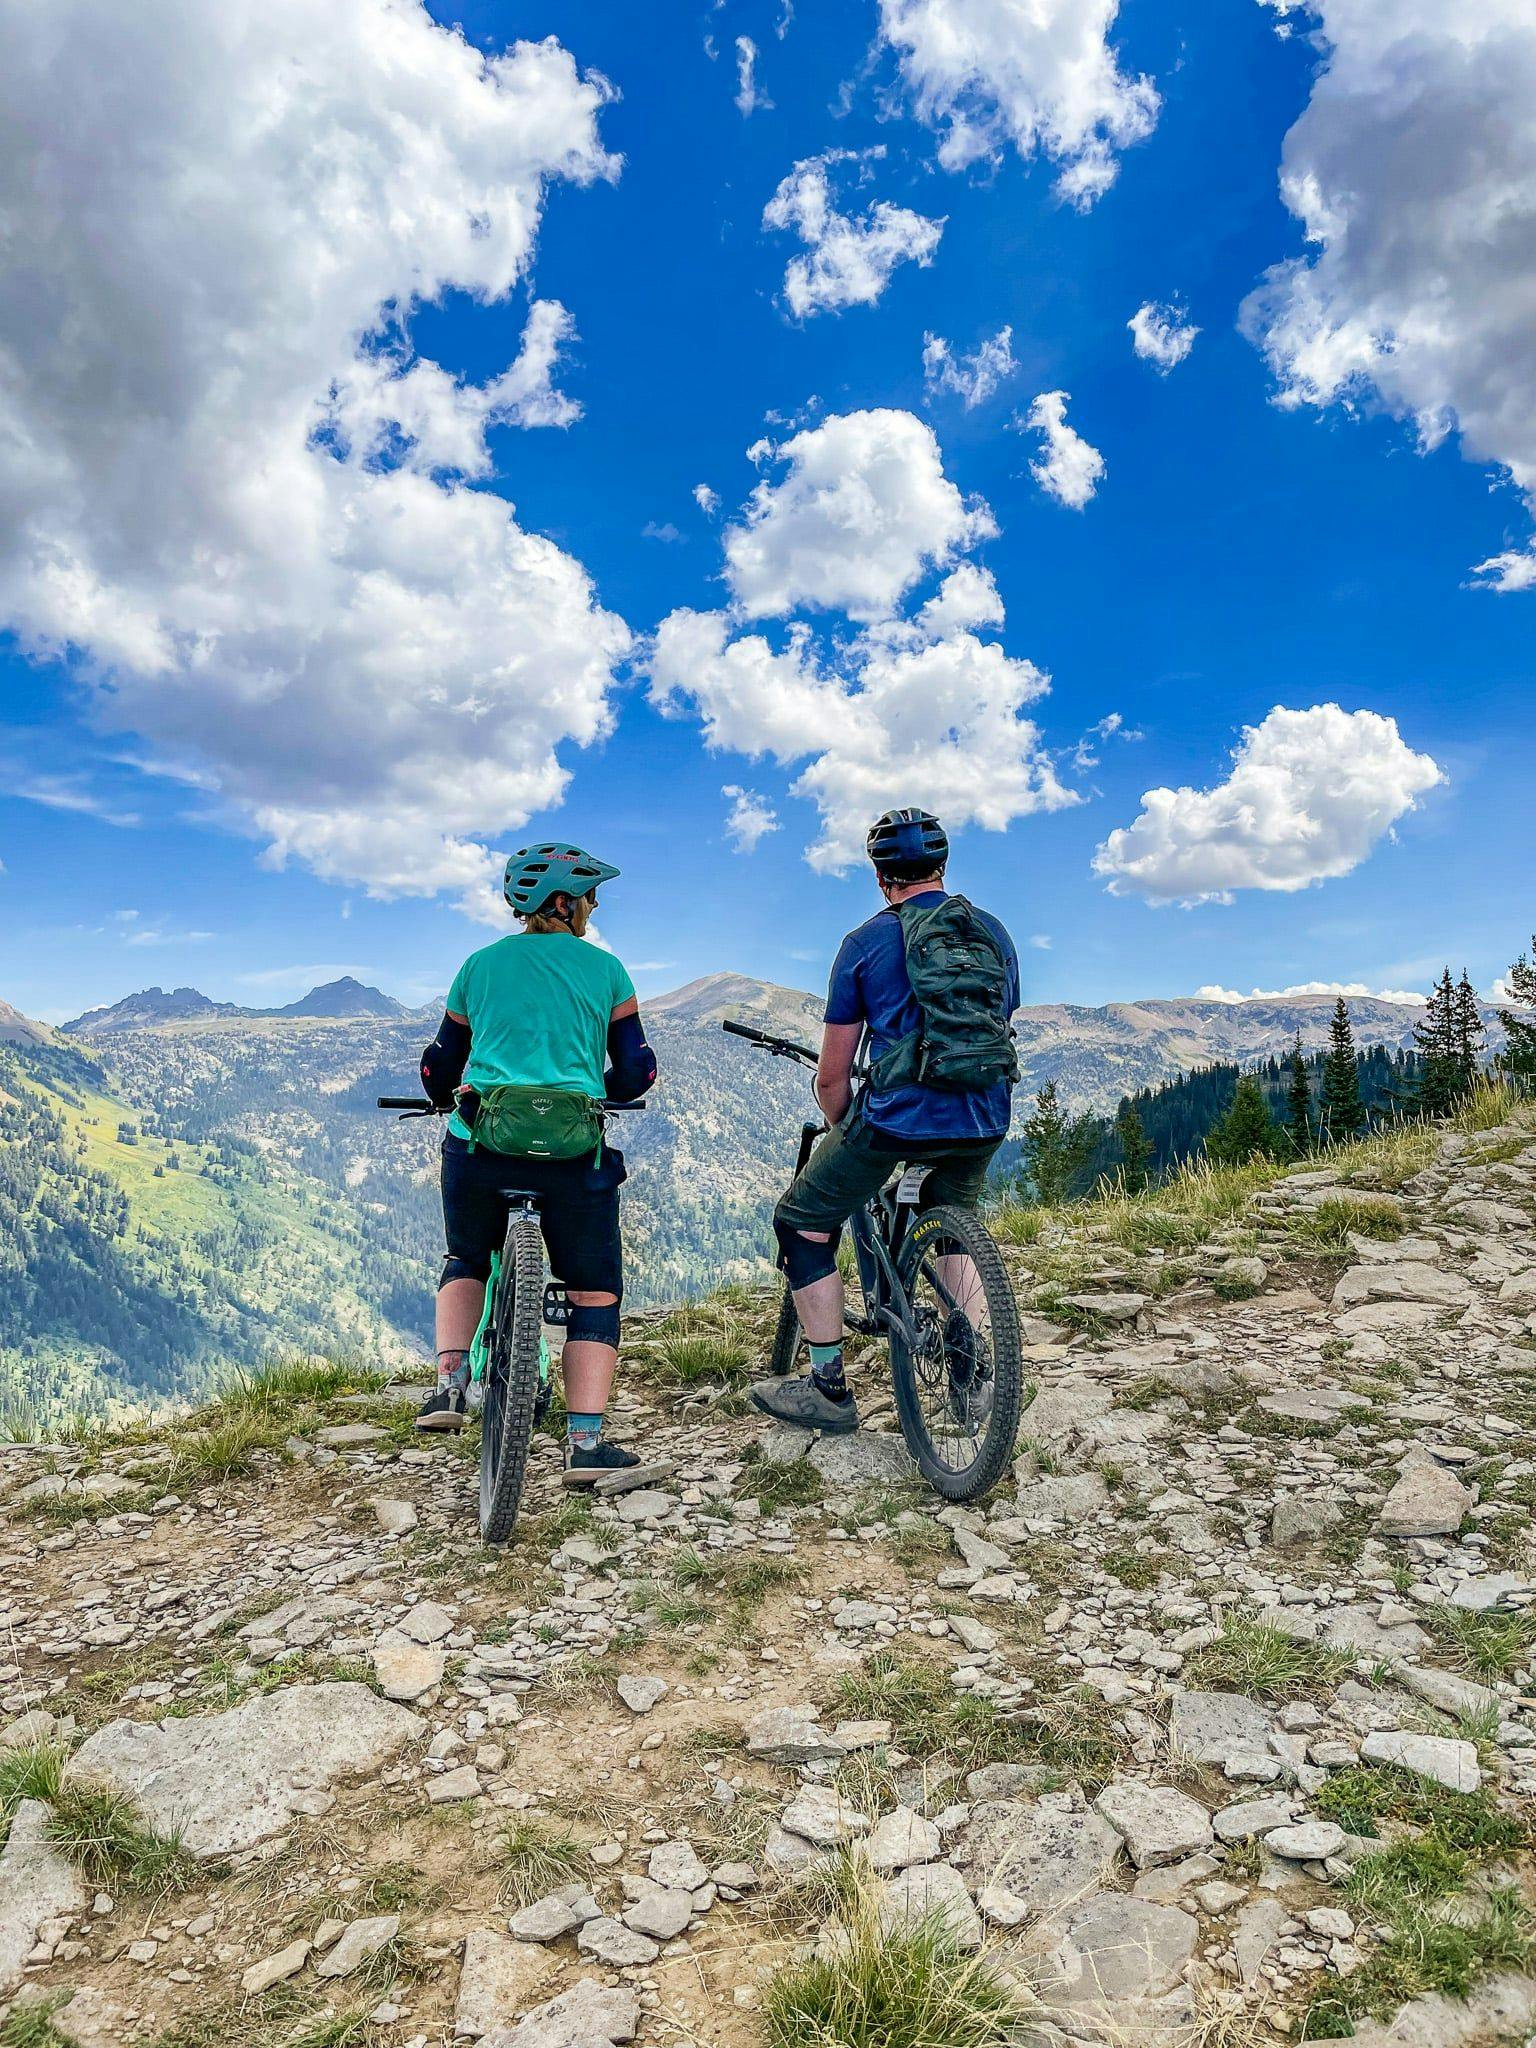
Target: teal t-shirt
{"type": "Point", "coordinates": [538, 1005]}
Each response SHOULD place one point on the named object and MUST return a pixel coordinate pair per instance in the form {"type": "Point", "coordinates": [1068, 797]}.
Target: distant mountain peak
{"type": "Point", "coordinates": [722, 991]}
{"type": "Point", "coordinates": [19, 1029]}
{"type": "Point", "coordinates": [149, 1007]}
{"type": "Point", "coordinates": [344, 997]}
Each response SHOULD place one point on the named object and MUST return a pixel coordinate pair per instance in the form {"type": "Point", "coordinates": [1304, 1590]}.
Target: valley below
{"type": "Point", "coordinates": [187, 1187]}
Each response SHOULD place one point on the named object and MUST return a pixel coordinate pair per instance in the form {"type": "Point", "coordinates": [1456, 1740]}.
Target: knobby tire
{"type": "Point", "coordinates": [512, 1381]}
{"type": "Point", "coordinates": [966, 1232]}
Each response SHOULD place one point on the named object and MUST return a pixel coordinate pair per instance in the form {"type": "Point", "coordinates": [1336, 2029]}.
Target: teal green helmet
{"type": "Point", "coordinates": [538, 872]}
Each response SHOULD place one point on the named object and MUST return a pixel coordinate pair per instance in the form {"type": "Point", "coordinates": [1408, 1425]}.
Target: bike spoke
{"type": "Point", "coordinates": [952, 1359]}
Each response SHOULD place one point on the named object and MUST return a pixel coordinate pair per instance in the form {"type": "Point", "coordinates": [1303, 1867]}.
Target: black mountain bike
{"type": "Point", "coordinates": [509, 1360]}
{"type": "Point", "coordinates": [936, 1289]}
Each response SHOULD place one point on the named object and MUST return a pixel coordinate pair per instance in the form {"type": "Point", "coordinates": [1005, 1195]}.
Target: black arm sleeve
{"type": "Point", "coordinates": [442, 1064]}
{"type": "Point", "coordinates": [631, 1063]}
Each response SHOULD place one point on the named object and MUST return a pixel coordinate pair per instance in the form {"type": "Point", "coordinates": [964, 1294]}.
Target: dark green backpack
{"type": "Point", "coordinates": [959, 976]}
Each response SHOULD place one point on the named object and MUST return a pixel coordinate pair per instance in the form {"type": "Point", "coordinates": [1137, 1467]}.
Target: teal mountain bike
{"type": "Point", "coordinates": [509, 1360]}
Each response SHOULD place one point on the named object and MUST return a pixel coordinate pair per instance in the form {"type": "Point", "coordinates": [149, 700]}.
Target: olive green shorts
{"type": "Point", "coordinates": [847, 1167]}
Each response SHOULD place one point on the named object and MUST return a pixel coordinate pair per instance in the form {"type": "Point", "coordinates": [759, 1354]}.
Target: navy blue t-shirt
{"type": "Point", "coordinates": [869, 986]}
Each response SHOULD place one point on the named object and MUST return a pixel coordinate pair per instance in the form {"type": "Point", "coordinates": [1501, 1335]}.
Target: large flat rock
{"type": "Point", "coordinates": [1047, 1854]}
{"type": "Point", "coordinates": [36, 1884]}
{"type": "Point", "coordinates": [225, 1782]}
{"type": "Point", "coordinates": [1208, 1727]}
{"type": "Point", "coordinates": [1408, 1280]}
{"type": "Point", "coordinates": [1427, 1500]}
{"type": "Point", "coordinates": [1112, 1949]}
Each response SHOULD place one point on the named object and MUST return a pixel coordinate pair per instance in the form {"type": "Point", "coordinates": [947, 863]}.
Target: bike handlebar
{"type": "Point", "coordinates": [418, 1105]}
{"type": "Point", "coordinates": [781, 1048]}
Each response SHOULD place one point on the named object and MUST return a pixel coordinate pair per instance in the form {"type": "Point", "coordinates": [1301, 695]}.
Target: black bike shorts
{"type": "Point", "coordinates": [578, 1205]}
{"type": "Point", "coordinates": [852, 1162]}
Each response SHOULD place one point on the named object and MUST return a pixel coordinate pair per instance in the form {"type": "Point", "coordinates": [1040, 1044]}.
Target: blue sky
{"type": "Point", "coordinates": [1237, 555]}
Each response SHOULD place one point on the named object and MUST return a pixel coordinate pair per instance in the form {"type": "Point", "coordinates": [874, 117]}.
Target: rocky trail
{"type": "Point", "coordinates": [1216, 1726]}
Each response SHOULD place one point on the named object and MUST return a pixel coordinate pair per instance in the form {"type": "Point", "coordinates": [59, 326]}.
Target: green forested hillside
{"type": "Point", "coordinates": [187, 1193]}
{"type": "Point", "coordinates": [135, 1269]}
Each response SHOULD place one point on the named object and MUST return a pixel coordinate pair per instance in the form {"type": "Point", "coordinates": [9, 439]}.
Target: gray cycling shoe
{"type": "Point", "coordinates": [803, 1403]}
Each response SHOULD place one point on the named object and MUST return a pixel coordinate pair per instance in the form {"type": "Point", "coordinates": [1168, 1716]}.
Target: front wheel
{"type": "Point", "coordinates": [511, 1380]}
{"type": "Point", "coordinates": [958, 1386]}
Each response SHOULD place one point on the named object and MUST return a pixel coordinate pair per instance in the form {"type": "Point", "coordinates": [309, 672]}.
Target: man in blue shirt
{"type": "Point", "coordinates": [955, 1132]}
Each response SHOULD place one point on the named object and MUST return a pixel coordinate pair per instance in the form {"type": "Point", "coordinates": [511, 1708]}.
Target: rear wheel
{"type": "Point", "coordinates": [959, 1385]}
{"type": "Point", "coordinates": [511, 1380]}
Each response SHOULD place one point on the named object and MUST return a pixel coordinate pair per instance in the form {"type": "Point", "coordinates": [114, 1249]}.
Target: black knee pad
{"type": "Point", "coordinates": [587, 1325]}
{"type": "Point", "coordinates": [463, 1269]}
{"type": "Point", "coordinates": [801, 1260]}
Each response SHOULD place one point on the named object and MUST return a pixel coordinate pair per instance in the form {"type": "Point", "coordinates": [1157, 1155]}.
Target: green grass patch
{"type": "Point", "coordinates": [775, 1487]}
{"type": "Point", "coordinates": [1363, 1800]}
{"type": "Point", "coordinates": [536, 1857]}
{"type": "Point", "coordinates": [31, 2025]}
{"type": "Point", "coordinates": [1326, 1229]}
{"type": "Point", "coordinates": [899, 1988]}
{"type": "Point", "coordinates": [32, 1770]}
{"type": "Point", "coordinates": [1139, 1570]}
{"type": "Point", "coordinates": [287, 1383]}
{"type": "Point", "coordinates": [1070, 1732]}
{"type": "Point", "coordinates": [1487, 1645]}
{"type": "Point", "coordinates": [1256, 1659]}
{"type": "Point", "coordinates": [1443, 1947]}
{"type": "Point", "coordinates": [693, 1359]}
{"type": "Point", "coordinates": [107, 1836]}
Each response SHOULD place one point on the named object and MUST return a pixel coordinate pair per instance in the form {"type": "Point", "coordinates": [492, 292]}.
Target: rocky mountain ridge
{"type": "Point", "coordinates": [1214, 1726]}
{"type": "Point", "coordinates": [151, 1008]}
{"type": "Point", "coordinates": [1094, 1053]}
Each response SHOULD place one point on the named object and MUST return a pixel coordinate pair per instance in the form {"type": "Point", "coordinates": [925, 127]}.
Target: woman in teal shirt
{"type": "Point", "coordinates": [539, 1008]}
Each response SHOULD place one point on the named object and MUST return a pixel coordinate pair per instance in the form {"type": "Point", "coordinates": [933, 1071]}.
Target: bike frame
{"type": "Point", "coordinates": [878, 1230]}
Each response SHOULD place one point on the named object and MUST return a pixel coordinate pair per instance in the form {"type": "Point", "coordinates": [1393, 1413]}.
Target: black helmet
{"type": "Point", "coordinates": [908, 839]}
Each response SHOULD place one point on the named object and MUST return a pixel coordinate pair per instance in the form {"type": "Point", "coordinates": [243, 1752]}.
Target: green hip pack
{"type": "Point", "coordinates": [536, 1123]}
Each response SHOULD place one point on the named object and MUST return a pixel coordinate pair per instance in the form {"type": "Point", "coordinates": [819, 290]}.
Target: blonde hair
{"type": "Point", "coordinates": [581, 917]}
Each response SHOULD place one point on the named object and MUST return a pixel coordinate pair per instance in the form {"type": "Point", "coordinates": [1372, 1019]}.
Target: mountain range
{"type": "Point", "coordinates": [347, 997]}
{"type": "Point", "coordinates": [187, 1184]}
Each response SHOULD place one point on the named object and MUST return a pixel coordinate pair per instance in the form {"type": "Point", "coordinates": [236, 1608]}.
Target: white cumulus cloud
{"type": "Point", "coordinates": [707, 500]}
{"type": "Point", "coordinates": [1213, 992]}
{"type": "Point", "coordinates": [750, 819]}
{"type": "Point", "coordinates": [230, 489]}
{"type": "Point", "coordinates": [863, 511]}
{"type": "Point", "coordinates": [1413, 174]}
{"type": "Point", "coordinates": [849, 256]}
{"type": "Point", "coordinates": [972, 378]}
{"type": "Point", "coordinates": [1068, 468]}
{"type": "Point", "coordinates": [1039, 75]}
{"type": "Point", "coordinates": [1162, 335]}
{"type": "Point", "coordinates": [916, 707]}
{"type": "Point", "coordinates": [1309, 794]}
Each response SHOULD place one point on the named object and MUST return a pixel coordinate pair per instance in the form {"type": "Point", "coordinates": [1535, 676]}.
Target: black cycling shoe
{"type": "Point", "coordinates": [583, 1467]}
{"type": "Point", "coordinates": [447, 1409]}
{"type": "Point", "coordinates": [803, 1403]}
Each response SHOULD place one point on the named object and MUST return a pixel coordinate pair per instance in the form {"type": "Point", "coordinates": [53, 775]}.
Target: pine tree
{"type": "Point", "coordinates": [1055, 1146]}
{"type": "Point", "coordinates": [1247, 1129]}
{"type": "Point", "coordinates": [1298, 1103]}
{"type": "Point", "coordinates": [1520, 1051]}
{"type": "Point", "coordinates": [1470, 1036]}
{"type": "Point", "coordinates": [1135, 1148]}
{"type": "Point", "coordinates": [1439, 1076]}
{"type": "Point", "coordinates": [1343, 1114]}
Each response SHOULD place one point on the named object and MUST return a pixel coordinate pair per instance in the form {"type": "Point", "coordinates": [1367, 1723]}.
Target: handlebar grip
{"type": "Point", "coordinates": [744, 1031]}
{"type": "Point", "coordinates": [405, 1102]}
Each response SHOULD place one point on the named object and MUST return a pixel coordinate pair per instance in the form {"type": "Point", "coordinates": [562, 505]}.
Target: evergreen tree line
{"type": "Point", "coordinates": [1287, 1107]}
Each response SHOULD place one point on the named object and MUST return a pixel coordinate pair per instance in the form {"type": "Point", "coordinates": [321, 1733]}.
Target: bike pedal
{"type": "Point", "coordinates": [556, 1310]}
